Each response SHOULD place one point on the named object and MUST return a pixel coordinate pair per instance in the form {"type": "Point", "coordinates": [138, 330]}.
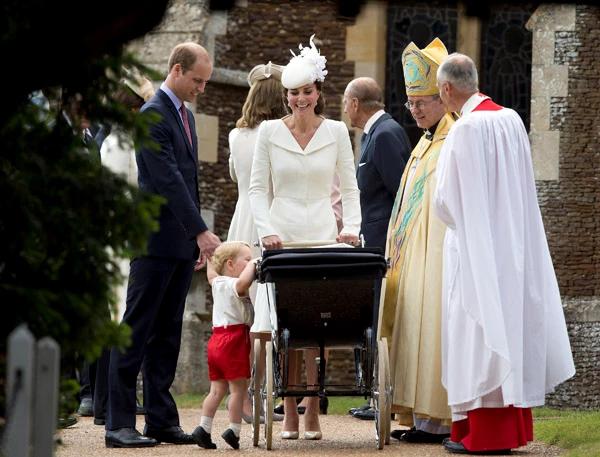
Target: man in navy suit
{"type": "Point", "coordinates": [384, 152]}
{"type": "Point", "coordinates": [159, 281]}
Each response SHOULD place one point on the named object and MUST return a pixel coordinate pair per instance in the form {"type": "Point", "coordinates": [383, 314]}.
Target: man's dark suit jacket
{"type": "Point", "coordinates": [384, 155]}
{"type": "Point", "coordinates": [172, 171]}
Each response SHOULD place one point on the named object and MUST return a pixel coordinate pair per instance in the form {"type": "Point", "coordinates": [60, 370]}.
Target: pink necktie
{"type": "Point", "coordinates": [186, 124]}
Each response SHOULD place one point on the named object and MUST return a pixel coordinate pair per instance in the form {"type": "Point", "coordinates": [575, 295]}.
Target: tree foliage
{"type": "Point", "coordinates": [66, 218]}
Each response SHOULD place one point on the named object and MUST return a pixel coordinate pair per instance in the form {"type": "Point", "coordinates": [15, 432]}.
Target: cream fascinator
{"type": "Point", "coordinates": [263, 71]}
{"type": "Point", "coordinates": [139, 84]}
{"type": "Point", "coordinates": [305, 68]}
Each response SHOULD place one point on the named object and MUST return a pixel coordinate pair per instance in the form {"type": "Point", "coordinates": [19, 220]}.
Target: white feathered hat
{"type": "Point", "coordinates": [305, 68]}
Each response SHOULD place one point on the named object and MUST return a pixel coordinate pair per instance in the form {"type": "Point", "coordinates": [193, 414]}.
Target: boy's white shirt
{"type": "Point", "coordinates": [230, 308]}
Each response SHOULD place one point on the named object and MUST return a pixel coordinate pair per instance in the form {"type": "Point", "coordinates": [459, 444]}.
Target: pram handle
{"type": "Point", "coordinates": [311, 243]}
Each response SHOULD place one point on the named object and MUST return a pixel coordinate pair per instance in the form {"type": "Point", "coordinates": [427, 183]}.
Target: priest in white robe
{"type": "Point", "coordinates": [504, 337]}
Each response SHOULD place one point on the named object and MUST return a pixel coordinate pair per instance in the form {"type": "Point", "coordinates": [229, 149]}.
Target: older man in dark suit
{"type": "Point", "coordinates": [159, 281]}
{"type": "Point", "coordinates": [384, 151]}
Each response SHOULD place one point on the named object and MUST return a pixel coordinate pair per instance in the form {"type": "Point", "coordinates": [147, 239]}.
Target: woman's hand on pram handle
{"type": "Point", "coordinates": [347, 238]}
{"type": "Point", "coordinates": [272, 242]}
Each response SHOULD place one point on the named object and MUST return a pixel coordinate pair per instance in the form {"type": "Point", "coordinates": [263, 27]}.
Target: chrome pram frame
{"type": "Point", "coordinates": [335, 288]}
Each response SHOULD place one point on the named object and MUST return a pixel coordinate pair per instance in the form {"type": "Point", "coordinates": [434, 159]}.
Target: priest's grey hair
{"type": "Point", "coordinates": [460, 71]}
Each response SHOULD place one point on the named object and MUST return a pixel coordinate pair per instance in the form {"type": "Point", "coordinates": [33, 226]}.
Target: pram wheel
{"type": "Point", "coordinates": [389, 390]}
{"type": "Point", "coordinates": [254, 392]}
{"type": "Point", "coordinates": [382, 394]}
{"type": "Point", "coordinates": [269, 400]}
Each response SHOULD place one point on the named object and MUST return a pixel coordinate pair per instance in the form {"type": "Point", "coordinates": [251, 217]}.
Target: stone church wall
{"type": "Point", "coordinates": [568, 65]}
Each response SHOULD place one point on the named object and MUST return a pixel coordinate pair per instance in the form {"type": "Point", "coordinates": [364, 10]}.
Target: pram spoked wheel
{"type": "Point", "coordinates": [382, 394]}
{"type": "Point", "coordinates": [269, 394]}
{"type": "Point", "coordinates": [254, 391]}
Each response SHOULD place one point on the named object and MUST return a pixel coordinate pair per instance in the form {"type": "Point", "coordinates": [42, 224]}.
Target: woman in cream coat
{"type": "Point", "coordinates": [299, 154]}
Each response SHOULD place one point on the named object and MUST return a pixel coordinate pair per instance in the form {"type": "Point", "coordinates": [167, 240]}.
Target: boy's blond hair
{"type": "Point", "coordinates": [226, 251]}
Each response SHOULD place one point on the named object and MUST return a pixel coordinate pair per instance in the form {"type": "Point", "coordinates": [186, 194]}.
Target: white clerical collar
{"type": "Point", "coordinates": [372, 120]}
{"type": "Point", "coordinates": [472, 103]}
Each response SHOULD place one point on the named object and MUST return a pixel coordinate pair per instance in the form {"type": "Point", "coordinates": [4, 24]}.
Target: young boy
{"type": "Point", "coordinates": [230, 272]}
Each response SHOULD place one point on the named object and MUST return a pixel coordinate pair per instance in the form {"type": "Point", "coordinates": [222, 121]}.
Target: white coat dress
{"type": "Point", "coordinates": [302, 180]}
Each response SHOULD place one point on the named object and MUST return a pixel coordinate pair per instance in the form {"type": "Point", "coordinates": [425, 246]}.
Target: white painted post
{"type": "Point", "coordinates": [46, 397]}
{"type": "Point", "coordinates": [19, 398]}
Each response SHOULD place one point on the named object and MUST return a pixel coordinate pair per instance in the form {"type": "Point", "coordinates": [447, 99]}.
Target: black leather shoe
{"type": "Point", "coordinates": [173, 435]}
{"type": "Point", "coordinates": [229, 436]}
{"type": "Point", "coordinates": [352, 411]}
{"type": "Point", "coordinates": [202, 438]}
{"type": "Point", "coordinates": [86, 407]}
{"type": "Point", "coordinates": [419, 436]}
{"type": "Point", "coordinates": [397, 434]}
{"type": "Point", "coordinates": [459, 448]}
{"type": "Point", "coordinates": [127, 437]}
{"type": "Point", "coordinates": [366, 415]}
{"type": "Point", "coordinates": [280, 410]}
{"type": "Point", "coordinates": [66, 421]}
{"type": "Point", "coordinates": [100, 419]}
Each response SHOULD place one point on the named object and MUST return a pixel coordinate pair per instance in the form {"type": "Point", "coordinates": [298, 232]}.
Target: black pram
{"type": "Point", "coordinates": [323, 298]}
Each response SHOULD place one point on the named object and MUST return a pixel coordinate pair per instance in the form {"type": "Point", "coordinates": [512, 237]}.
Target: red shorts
{"type": "Point", "coordinates": [229, 353]}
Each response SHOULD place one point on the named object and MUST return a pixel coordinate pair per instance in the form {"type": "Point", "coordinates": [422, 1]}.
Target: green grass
{"type": "Point", "coordinates": [337, 405]}
{"type": "Point", "coordinates": [576, 432]}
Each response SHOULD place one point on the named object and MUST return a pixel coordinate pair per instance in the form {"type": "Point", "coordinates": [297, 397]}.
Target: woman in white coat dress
{"type": "Point", "coordinates": [299, 154]}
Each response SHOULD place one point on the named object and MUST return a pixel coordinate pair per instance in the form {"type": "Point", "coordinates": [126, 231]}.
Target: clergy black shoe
{"type": "Point", "coordinates": [459, 448]}
{"type": "Point", "coordinates": [173, 435]}
{"type": "Point", "coordinates": [419, 436]}
{"type": "Point", "coordinates": [127, 437]}
{"type": "Point", "coordinates": [397, 434]}
{"type": "Point", "coordinates": [229, 436]}
{"type": "Point", "coordinates": [202, 438]}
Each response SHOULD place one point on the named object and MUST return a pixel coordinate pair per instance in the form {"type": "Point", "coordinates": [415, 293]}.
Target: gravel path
{"type": "Point", "coordinates": [343, 435]}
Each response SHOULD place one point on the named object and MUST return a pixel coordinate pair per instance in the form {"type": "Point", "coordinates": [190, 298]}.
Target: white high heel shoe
{"type": "Point", "coordinates": [290, 435]}
{"type": "Point", "coordinates": [313, 435]}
